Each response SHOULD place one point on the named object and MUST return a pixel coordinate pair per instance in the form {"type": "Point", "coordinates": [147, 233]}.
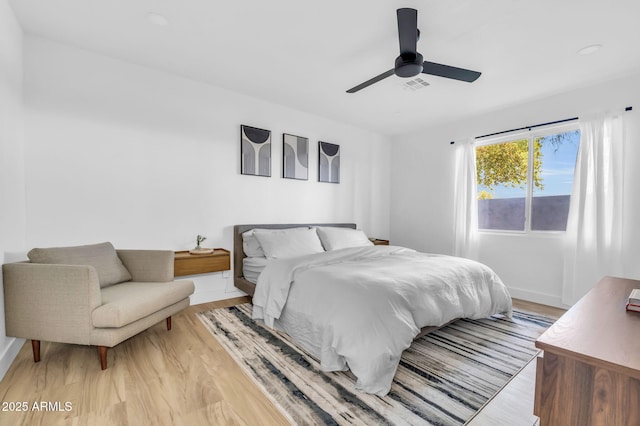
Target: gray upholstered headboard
{"type": "Point", "coordinates": [238, 252]}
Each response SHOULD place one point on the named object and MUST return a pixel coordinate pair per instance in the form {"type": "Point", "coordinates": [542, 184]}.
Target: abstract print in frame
{"type": "Point", "coordinates": [295, 157]}
{"type": "Point", "coordinates": [255, 147]}
{"type": "Point", "coordinates": [328, 162]}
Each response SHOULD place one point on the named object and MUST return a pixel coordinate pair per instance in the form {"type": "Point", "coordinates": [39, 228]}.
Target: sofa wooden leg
{"type": "Point", "coordinates": [35, 345]}
{"type": "Point", "coordinates": [102, 352]}
{"type": "Point", "coordinates": [168, 323]}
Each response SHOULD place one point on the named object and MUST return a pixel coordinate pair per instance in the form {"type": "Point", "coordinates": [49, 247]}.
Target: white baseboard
{"type": "Point", "coordinates": [9, 354]}
{"type": "Point", "coordinates": [533, 296]}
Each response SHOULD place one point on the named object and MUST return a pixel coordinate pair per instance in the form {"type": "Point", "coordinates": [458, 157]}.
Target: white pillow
{"type": "Point", "coordinates": [251, 245]}
{"type": "Point", "coordinates": [291, 242]}
{"type": "Point", "coordinates": [338, 238]}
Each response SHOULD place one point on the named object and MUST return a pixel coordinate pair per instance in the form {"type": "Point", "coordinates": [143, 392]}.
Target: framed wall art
{"type": "Point", "coordinates": [255, 151]}
{"type": "Point", "coordinates": [295, 157]}
{"type": "Point", "coordinates": [328, 162]}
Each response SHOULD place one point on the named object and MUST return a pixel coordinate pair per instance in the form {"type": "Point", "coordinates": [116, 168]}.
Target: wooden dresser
{"type": "Point", "coordinates": [589, 373]}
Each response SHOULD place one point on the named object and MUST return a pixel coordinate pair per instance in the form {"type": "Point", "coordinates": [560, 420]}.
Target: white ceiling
{"type": "Point", "coordinates": [305, 54]}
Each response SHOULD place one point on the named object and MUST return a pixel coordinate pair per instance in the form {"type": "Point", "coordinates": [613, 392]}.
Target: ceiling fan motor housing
{"type": "Point", "coordinates": [409, 65]}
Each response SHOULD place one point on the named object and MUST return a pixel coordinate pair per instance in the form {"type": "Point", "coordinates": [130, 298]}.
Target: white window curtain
{"type": "Point", "coordinates": [593, 246]}
{"type": "Point", "coordinates": [466, 201]}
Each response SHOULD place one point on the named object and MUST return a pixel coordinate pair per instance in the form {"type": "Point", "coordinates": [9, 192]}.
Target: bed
{"type": "Point", "coordinates": [358, 307]}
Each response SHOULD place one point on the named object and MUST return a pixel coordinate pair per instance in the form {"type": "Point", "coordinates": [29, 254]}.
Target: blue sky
{"type": "Point", "coordinates": [558, 165]}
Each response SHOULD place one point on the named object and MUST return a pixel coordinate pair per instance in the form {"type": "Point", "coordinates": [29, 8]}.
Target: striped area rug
{"type": "Point", "coordinates": [444, 378]}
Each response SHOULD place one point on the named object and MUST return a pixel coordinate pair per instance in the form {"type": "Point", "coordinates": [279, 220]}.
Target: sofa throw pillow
{"type": "Point", "coordinates": [102, 257]}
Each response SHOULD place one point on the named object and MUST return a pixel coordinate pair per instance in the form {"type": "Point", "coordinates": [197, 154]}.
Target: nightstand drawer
{"type": "Point", "coordinates": [186, 263]}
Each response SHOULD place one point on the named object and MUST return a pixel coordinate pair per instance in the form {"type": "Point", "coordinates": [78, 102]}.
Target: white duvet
{"type": "Point", "coordinates": [360, 308]}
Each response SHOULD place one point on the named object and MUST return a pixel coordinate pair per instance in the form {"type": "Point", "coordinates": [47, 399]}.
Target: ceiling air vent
{"type": "Point", "coordinates": [414, 84]}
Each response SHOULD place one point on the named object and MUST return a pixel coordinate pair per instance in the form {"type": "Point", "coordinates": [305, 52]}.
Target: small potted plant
{"type": "Point", "coordinates": [198, 249]}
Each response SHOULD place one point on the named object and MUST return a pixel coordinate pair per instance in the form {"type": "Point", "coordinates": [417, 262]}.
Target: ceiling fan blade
{"type": "Point", "coordinates": [407, 30]}
{"type": "Point", "coordinates": [447, 71]}
{"type": "Point", "coordinates": [370, 82]}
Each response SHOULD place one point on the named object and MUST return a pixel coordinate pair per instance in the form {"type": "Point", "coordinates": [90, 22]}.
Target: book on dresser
{"type": "Point", "coordinates": [633, 303]}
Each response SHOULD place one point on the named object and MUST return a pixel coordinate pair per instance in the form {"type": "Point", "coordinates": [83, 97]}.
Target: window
{"type": "Point", "coordinates": [524, 182]}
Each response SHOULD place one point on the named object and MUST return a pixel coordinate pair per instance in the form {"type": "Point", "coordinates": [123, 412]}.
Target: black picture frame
{"type": "Point", "coordinates": [295, 157]}
{"type": "Point", "coordinates": [328, 162]}
{"type": "Point", "coordinates": [255, 151]}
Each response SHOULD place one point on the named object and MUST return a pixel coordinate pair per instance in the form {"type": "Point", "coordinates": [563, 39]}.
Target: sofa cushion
{"type": "Point", "coordinates": [102, 257]}
{"type": "Point", "coordinates": [127, 302]}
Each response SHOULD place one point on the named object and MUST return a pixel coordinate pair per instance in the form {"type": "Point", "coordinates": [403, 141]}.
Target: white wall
{"type": "Point", "coordinates": [12, 195]}
{"type": "Point", "coordinates": [422, 187]}
{"type": "Point", "coordinates": [145, 159]}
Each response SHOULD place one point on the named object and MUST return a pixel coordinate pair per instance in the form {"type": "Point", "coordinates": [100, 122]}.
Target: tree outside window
{"type": "Point", "coordinates": [524, 184]}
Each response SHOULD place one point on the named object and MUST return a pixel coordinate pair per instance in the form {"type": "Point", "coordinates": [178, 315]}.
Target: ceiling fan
{"type": "Point", "coordinates": [410, 63]}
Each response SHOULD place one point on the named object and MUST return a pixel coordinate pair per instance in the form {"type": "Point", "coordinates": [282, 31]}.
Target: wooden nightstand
{"type": "Point", "coordinates": [186, 263]}
{"type": "Point", "coordinates": [379, 242]}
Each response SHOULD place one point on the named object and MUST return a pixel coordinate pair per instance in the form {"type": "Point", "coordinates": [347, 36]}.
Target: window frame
{"type": "Point", "coordinates": [530, 134]}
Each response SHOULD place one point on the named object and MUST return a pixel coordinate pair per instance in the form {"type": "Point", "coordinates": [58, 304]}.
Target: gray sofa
{"type": "Point", "coordinates": [90, 295]}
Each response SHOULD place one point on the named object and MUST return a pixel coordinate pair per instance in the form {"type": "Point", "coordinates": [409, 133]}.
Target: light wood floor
{"type": "Point", "coordinates": [160, 377]}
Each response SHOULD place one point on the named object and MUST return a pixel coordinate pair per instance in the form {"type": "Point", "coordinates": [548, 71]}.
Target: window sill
{"type": "Point", "coordinates": [522, 234]}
